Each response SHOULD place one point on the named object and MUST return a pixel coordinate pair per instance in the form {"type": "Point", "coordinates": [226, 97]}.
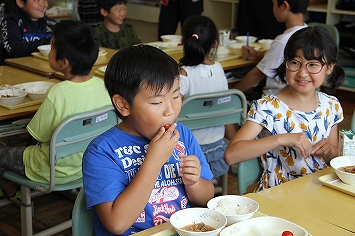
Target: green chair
{"type": "Point", "coordinates": [353, 122]}
{"type": "Point", "coordinates": [331, 28]}
{"type": "Point", "coordinates": [248, 173]}
{"type": "Point", "coordinates": [214, 109]}
{"type": "Point", "coordinates": [71, 136]}
{"type": "Point", "coordinates": [83, 218]}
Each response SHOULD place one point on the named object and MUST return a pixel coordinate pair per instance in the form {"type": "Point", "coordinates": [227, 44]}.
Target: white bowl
{"type": "Point", "coordinates": [265, 43]}
{"type": "Point", "coordinates": [171, 38]}
{"type": "Point", "coordinates": [243, 39]}
{"type": "Point", "coordinates": [342, 161]}
{"type": "Point", "coordinates": [236, 48]}
{"type": "Point", "coordinates": [37, 92]}
{"type": "Point", "coordinates": [44, 49]}
{"type": "Point", "coordinates": [222, 52]}
{"type": "Point", "coordinates": [12, 97]}
{"type": "Point", "coordinates": [235, 208]}
{"type": "Point", "coordinates": [35, 83]}
{"type": "Point", "coordinates": [196, 215]}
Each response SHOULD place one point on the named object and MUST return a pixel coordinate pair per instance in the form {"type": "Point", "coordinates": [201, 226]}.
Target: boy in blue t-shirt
{"type": "Point", "coordinates": [138, 173]}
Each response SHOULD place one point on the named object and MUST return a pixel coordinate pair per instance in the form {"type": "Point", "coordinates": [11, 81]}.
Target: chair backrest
{"type": "Point", "coordinates": [353, 122]}
{"type": "Point", "coordinates": [213, 109]}
{"type": "Point", "coordinates": [331, 28]}
{"type": "Point", "coordinates": [74, 134]}
{"type": "Point", "coordinates": [83, 218]}
{"type": "Point", "coordinates": [248, 172]}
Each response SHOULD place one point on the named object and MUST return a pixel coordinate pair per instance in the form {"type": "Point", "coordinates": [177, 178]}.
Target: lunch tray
{"type": "Point", "coordinates": [25, 103]}
{"type": "Point", "coordinates": [101, 59]}
{"type": "Point", "coordinates": [331, 180]}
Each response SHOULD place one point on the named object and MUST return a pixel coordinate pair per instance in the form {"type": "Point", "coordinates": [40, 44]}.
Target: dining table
{"type": "Point", "coordinates": [306, 201]}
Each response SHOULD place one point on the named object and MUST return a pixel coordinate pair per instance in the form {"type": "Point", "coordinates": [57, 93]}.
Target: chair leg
{"type": "Point", "coordinates": [225, 183]}
{"type": "Point", "coordinates": [26, 212]}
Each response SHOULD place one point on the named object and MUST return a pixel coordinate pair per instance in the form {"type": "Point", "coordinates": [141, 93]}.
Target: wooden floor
{"type": "Point", "coordinates": [54, 208]}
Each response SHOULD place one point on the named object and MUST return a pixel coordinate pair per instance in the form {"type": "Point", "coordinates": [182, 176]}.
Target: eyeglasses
{"type": "Point", "coordinates": [312, 67]}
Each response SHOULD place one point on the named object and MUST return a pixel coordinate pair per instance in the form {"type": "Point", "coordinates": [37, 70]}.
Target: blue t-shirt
{"type": "Point", "coordinates": [112, 160]}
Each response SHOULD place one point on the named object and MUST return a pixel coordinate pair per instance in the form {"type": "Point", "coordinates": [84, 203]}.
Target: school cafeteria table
{"type": "Point", "coordinates": [321, 210]}
{"type": "Point", "coordinates": [11, 75]}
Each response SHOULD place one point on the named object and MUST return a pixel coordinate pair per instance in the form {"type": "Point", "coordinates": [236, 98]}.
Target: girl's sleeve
{"type": "Point", "coordinates": [12, 39]}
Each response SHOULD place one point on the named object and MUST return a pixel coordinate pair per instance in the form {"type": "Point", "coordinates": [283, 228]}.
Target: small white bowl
{"type": "Point", "coordinates": [222, 52]}
{"type": "Point", "coordinates": [12, 97]}
{"type": "Point", "coordinates": [342, 161]}
{"type": "Point", "coordinates": [265, 43]}
{"type": "Point", "coordinates": [44, 49]}
{"type": "Point", "coordinates": [243, 39]}
{"type": "Point", "coordinates": [236, 48]}
{"type": "Point", "coordinates": [235, 208]}
{"type": "Point", "coordinates": [196, 215]}
{"type": "Point", "coordinates": [37, 92]}
{"type": "Point", "coordinates": [171, 38]}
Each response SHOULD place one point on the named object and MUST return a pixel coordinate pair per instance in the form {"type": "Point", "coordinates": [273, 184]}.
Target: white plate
{"type": "Point", "coordinates": [166, 45]}
{"type": "Point", "coordinates": [102, 69]}
{"type": "Point", "coordinates": [31, 84]}
{"type": "Point", "coordinates": [263, 226]}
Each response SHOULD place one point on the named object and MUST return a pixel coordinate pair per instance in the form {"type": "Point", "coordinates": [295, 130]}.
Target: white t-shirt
{"type": "Point", "coordinates": [273, 58]}
{"type": "Point", "coordinates": [204, 79]}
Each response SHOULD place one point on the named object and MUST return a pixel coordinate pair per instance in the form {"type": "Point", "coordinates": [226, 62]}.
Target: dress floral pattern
{"type": "Point", "coordinates": [286, 163]}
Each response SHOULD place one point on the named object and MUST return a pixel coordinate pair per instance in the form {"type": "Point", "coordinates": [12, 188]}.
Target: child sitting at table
{"type": "Point", "coordinates": [74, 51]}
{"type": "Point", "coordinates": [201, 74]}
{"type": "Point", "coordinates": [24, 29]}
{"type": "Point", "coordinates": [113, 32]}
{"type": "Point", "coordinates": [296, 129]}
{"type": "Point", "coordinates": [138, 173]}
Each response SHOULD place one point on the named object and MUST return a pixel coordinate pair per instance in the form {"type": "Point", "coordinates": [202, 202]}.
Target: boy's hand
{"type": "Point", "coordinates": [163, 144]}
{"type": "Point", "coordinates": [190, 169]}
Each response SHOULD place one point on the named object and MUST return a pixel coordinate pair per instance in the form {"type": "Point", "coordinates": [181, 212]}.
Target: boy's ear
{"type": "Point", "coordinates": [103, 12]}
{"type": "Point", "coordinates": [64, 63]}
{"type": "Point", "coordinates": [121, 104]}
{"type": "Point", "coordinates": [20, 3]}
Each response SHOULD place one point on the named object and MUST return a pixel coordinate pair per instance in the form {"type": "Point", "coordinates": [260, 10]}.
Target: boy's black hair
{"type": "Point", "coordinates": [197, 47]}
{"type": "Point", "coordinates": [136, 67]}
{"type": "Point", "coordinates": [297, 6]}
{"type": "Point", "coordinates": [10, 6]}
{"type": "Point", "coordinates": [77, 42]}
{"type": "Point", "coordinates": [318, 44]}
{"type": "Point", "coordinates": [108, 4]}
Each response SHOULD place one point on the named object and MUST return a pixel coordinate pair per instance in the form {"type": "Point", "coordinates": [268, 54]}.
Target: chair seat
{"type": "Point", "coordinates": [24, 181]}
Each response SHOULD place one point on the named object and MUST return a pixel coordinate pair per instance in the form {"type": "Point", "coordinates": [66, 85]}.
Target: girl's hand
{"type": "Point", "coordinates": [323, 148]}
{"type": "Point", "coordinates": [190, 169]}
{"type": "Point", "coordinates": [249, 52]}
{"type": "Point", "coordinates": [300, 141]}
{"type": "Point", "coordinates": [163, 144]}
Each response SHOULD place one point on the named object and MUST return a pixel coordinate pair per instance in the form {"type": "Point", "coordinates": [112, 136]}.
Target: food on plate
{"type": "Point", "coordinates": [287, 233]}
{"type": "Point", "coordinates": [166, 127]}
{"type": "Point", "coordinates": [348, 169]}
{"type": "Point", "coordinates": [228, 207]}
{"type": "Point", "coordinates": [7, 96]}
{"type": "Point", "coordinates": [198, 227]}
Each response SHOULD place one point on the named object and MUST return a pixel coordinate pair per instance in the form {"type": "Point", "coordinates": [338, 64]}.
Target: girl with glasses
{"type": "Point", "coordinates": [295, 131]}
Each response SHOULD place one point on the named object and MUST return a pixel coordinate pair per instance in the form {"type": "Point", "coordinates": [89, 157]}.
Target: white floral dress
{"type": "Point", "coordinates": [286, 163]}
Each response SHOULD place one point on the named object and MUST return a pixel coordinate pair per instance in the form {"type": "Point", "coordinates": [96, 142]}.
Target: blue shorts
{"type": "Point", "coordinates": [214, 154]}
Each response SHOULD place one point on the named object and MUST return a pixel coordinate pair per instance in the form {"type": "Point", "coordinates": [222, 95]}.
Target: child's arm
{"type": "Point", "coordinates": [249, 52]}
{"type": "Point", "coordinates": [119, 215]}
{"type": "Point", "coordinates": [327, 147]}
{"type": "Point", "coordinates": [244, 147]}
{"type": "Point", "coordinates": [199, 191]}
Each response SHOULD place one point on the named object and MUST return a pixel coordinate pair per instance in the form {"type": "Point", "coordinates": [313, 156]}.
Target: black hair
{"type": "Point", "coordinates": [135, 67]}
{"type": "Point", "coordinates": [318, 44]}
{"type": "Point", "coordinates": [10, 6]}
{"type": "Point", "coordinates": [297, 6]}
{"type": "Point", "coordinates": [77, 42]}
{"type": "Point", "coordinates": [199, 33]}
{"type": "Point", "coordinates": [108, 4]}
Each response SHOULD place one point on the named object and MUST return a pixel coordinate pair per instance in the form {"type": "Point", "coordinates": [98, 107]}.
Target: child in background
{"type": "Point", "coordinates": [201, 74]}
{"type": "Point", "coordinates": [24, 29]}
{"type": "Point", "coordinates": [74, 52]}
{"type": "Point", "coordinates": [113, 32]}
{"type": "Point", "coordinates": [291, 12]}
{"type": "Point", "coordinates": [138, 173]}
{"type": "Point", "coordinates": [296, 128]}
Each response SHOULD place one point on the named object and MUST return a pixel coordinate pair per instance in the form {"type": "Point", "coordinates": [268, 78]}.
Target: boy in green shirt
{"type": "Point", "coordinates": [113, 32]}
